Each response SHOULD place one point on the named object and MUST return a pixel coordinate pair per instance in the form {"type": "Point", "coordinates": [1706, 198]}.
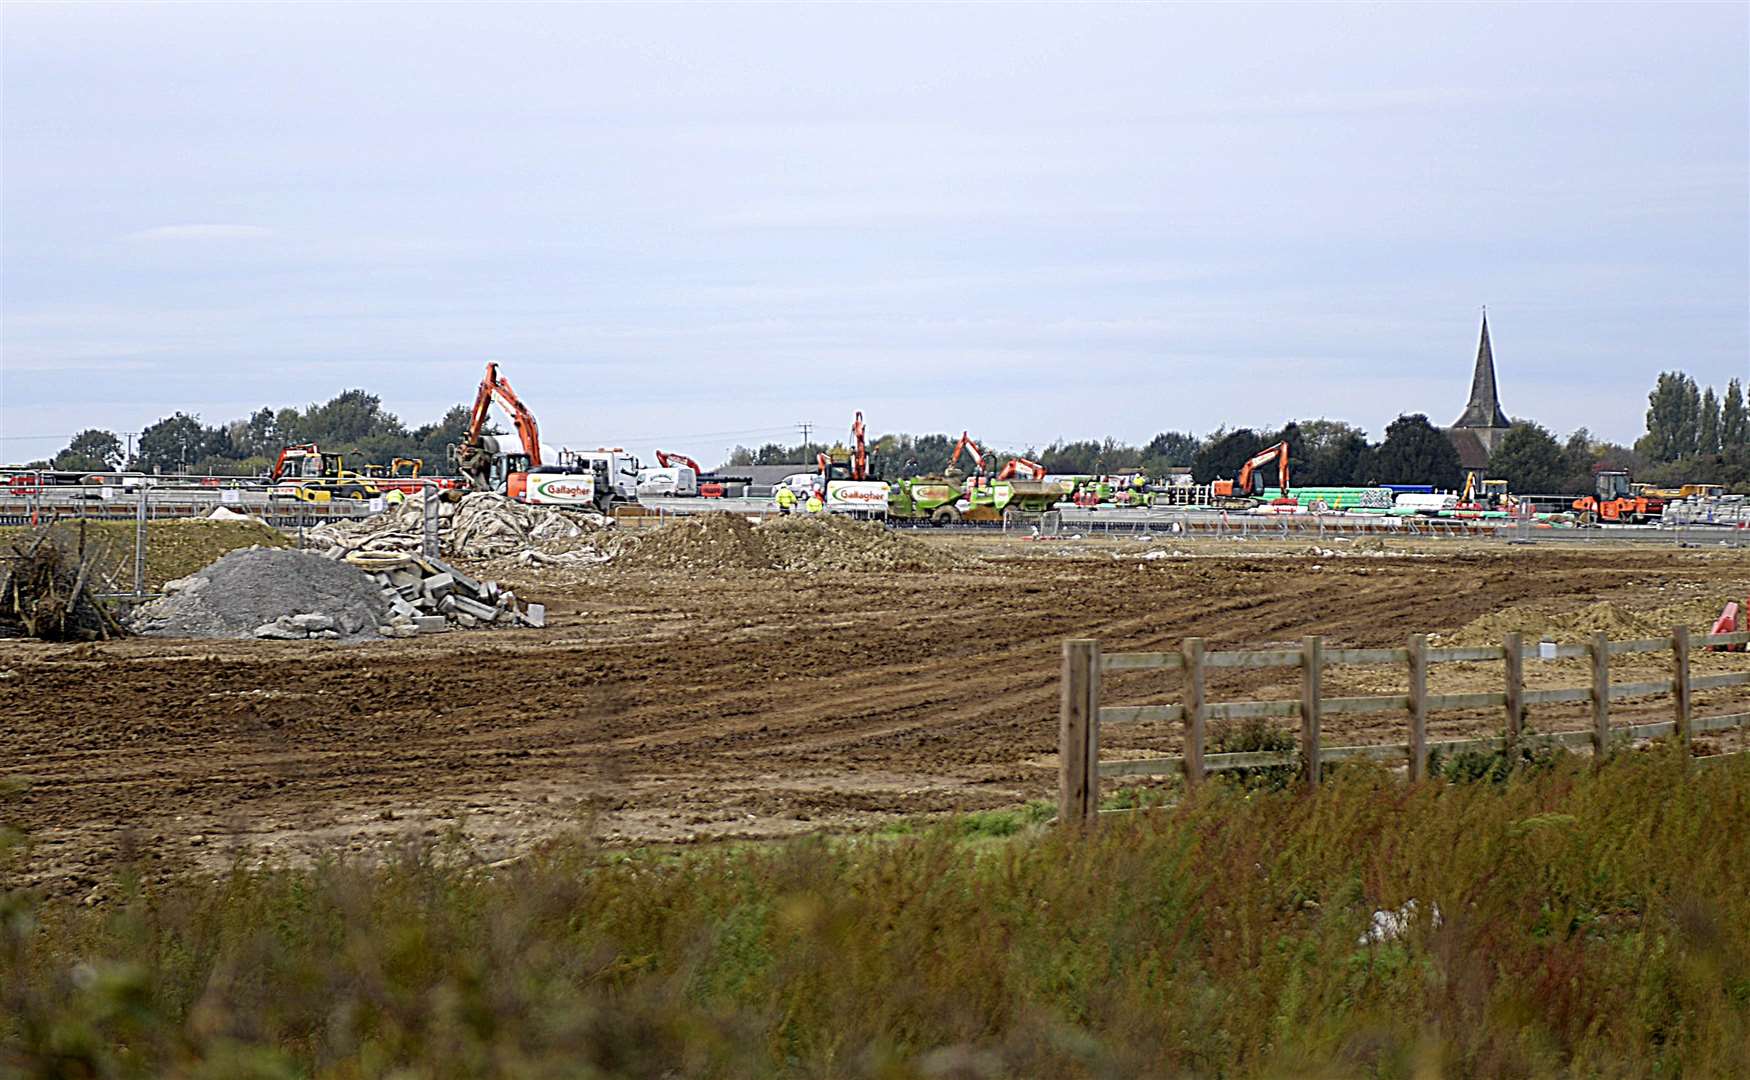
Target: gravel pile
{"type": "Point", "coordinates": [481, 525]}
{"type": "Point", "coordinates": [271, 593]}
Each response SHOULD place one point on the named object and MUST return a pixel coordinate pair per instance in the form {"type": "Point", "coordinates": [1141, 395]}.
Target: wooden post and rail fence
{"type": "Point", "coordinates": [1083, 714]}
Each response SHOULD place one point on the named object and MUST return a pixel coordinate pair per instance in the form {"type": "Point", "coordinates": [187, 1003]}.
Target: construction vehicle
{"type": "Point", "coordinates": [479, 458]}
{"type": "Point", "coordinates": [1686, 491]}
{"type": "Point", "coordinates": [1489, 497]}
{"type": "Point", "coordinates": [941, 501]}
{"type": "Point", "coordinates": [970, 448]}
{"type": "Point", "coordinates": [849, 487]}
{"type": "Point", "coordinates": [1617, 501]}
{"type": "Point", "coordinates": [1015, 466]}
{"type": "Point", "coordinates": [674, 475]}
{"type": "Point", "coordinates": [597, 479]}
{"type": "Point", "coordinates": [1246, 489]}
{"type": "Point", "coordinates": [321, 489]}
{"type": "Point", "coordinates": [603, 478]}
{"type": "Point", "coordinates": [305, 461]}
{"type": "Point", "coordinates": [403, 475]}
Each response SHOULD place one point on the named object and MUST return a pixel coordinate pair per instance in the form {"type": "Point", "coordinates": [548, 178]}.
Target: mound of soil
{"type": "Point", "coordinates": [723, 542]}
{"type": "Point", "coordinates": [1616, 621]}
{"type": "Point", "coordinates": [841, 543]}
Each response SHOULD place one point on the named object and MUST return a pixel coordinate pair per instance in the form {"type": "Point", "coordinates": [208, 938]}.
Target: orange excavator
{"type": "Point", "coordinates": [1017, 466]}
{"type": "Point", "coordinates": [855, 469]}
{"type": "Point", "coordinates": [1243, 491]}
{"type": "Point", "coordinates": [478, 458]}
{"type": "Point", "coordinates": [677, 461]}
{"type": "Point", "coordinates": [970, 448]}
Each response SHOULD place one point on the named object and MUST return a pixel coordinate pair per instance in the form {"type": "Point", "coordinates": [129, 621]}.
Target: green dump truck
{"type": "Point", "coordinates": [943, 501]}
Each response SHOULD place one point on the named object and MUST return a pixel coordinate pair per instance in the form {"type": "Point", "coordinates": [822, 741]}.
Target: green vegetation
{"type": "Point", "coordinates": [1692, 437]}
{"type": "Point", "coordinates": [1559, 923]}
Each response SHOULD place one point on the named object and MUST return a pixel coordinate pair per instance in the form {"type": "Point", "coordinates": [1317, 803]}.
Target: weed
{"type": "Point", "coordinates": [1253, 736]}
{"type": "Point", "coordinates": [1570, 923]}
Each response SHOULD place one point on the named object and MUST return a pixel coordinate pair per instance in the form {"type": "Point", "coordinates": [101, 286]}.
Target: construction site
{"type": "Point", "coordinates": [711, 677]}
{"type": "Point", "coordinates": [523, 642]}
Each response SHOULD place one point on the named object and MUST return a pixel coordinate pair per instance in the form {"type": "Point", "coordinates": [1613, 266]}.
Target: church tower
{"type": "Point", "coordinates": [1481, 426]}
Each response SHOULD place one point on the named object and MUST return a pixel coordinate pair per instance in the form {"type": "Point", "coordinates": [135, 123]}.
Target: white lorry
{"type": "Point", "coordinates": [601, 479]}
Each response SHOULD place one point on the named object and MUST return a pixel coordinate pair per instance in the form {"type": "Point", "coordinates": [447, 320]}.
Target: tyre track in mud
{"type": "Point", "coordinates": [678, 708]}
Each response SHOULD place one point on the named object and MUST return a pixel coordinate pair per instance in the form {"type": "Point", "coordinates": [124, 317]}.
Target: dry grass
{"type": "Point", "coordinates": [1563, 924]}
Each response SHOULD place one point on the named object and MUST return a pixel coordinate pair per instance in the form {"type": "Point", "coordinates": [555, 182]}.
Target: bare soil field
{"type": "Point", "coordinates": [667, 707]}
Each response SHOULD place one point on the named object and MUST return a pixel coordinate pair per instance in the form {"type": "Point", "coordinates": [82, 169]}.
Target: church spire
{"type": "Point", "coordinates": [1484, 410]}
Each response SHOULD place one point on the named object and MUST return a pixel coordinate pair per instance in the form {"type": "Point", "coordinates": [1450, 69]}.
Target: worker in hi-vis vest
{"type": "Point", "coordinates": [786, 500]}
{"type": "Point", "coordinates": [814, 504]}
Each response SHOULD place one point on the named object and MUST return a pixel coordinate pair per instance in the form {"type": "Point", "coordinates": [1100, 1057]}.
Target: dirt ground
{"type": "Point", "coordinates": [667, 708]}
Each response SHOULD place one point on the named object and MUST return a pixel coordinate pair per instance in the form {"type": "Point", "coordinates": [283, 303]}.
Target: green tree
{"type": "Point", "coordinates": [432, 442]}
{"type": "Point", "coordinates": [346, 418]}
{"type": "Point", "coordinates": [1169, 449]}
{"type": "Point", "coordinates": [1530, 460]}
{"type": "Point", "coordinates": [1416, 452]}
{"type": "Point", "coordinates": [1223, 453]}
{"type": "Point", "coordinates": [171, 445]}
{"type": "Point", "coordinates": [1707, 428]}
{"type": "Point", "coordinates": [1673, 418]}
{"type": "Point", "coordinates": [1734, 428]}
{"type": "Point", "coordinates": [258, 435]}
{"type": "Point", "coordinates": [92, 450]}
{"type": "Point", "coordinates": [1336, 454]}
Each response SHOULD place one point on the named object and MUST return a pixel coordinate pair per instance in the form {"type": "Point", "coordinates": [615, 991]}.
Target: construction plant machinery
{"type": "Point", "coordinates": [1617, 501]}
{"type": "Point", "coordinates": [1246, 490]}
{"type": "Point", "coordinates": [305, 461]}
{"type": "Point", "coordinates": [598, 479]}
{"type": "Point", "coordinates": [956, 497]}
{"type": "Point", "coordinates": [850, 487]}
{"type": "Point", "coordinates": [1489, 497]}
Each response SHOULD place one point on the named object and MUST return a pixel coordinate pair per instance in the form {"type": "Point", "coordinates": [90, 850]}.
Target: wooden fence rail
{"type": "Point", "coordinates": [1082, 713]}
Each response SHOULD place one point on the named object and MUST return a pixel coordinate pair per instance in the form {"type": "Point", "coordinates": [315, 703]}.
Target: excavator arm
{"type": "Point", "coordinates": [472, 457]}
{"type": "Point", "coordinates": [671, 461]}
{"type": "Point", "coordinates": [969, 447]}
{"type": "Point", "coordinates": [1016, 466]}
{"type": "Point", "coordinates": [1278, 454]}
{"type": "Point", "coordinates": [859, 451]}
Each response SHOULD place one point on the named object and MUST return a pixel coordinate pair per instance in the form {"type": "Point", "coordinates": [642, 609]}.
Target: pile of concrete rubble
{"type": "Point", "coordinates": [481, 525]}
{"type": "Point", "coordinates": [429, 595]}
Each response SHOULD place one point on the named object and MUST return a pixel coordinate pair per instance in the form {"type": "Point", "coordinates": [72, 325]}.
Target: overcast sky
{"type": "Point", "coordinates": [694, 226]}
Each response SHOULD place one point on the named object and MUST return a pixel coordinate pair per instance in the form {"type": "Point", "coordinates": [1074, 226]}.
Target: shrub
{"type": "Point", "coordinates": [1570, 923]}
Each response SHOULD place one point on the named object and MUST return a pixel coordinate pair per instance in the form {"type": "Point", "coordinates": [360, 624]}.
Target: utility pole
{"type": "Point", "coordinates": [807, 427]}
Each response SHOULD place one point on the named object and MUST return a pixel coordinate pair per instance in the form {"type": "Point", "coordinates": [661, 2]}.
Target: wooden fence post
{"type": "Point", "coordinates": [1194, 716]}
{"type": "Point", "coordinates": [1680, 684]}
{"type": "Point", "coordinates": [1514, 646]}
{"type": "Point", "coordinates": [1312, 669]}
{"type": "Point", "coordinates": [1078, 736]}
{"type": "Point", "coordinates": [1600, 696]}
{"type": "Point", "coordinates": [1418, 707]}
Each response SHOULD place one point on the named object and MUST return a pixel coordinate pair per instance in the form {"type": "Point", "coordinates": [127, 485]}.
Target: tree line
{"type": "Point", "coordinates": [353, 422]}
{"type": "Point", "coordinates": [1692, 436]}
